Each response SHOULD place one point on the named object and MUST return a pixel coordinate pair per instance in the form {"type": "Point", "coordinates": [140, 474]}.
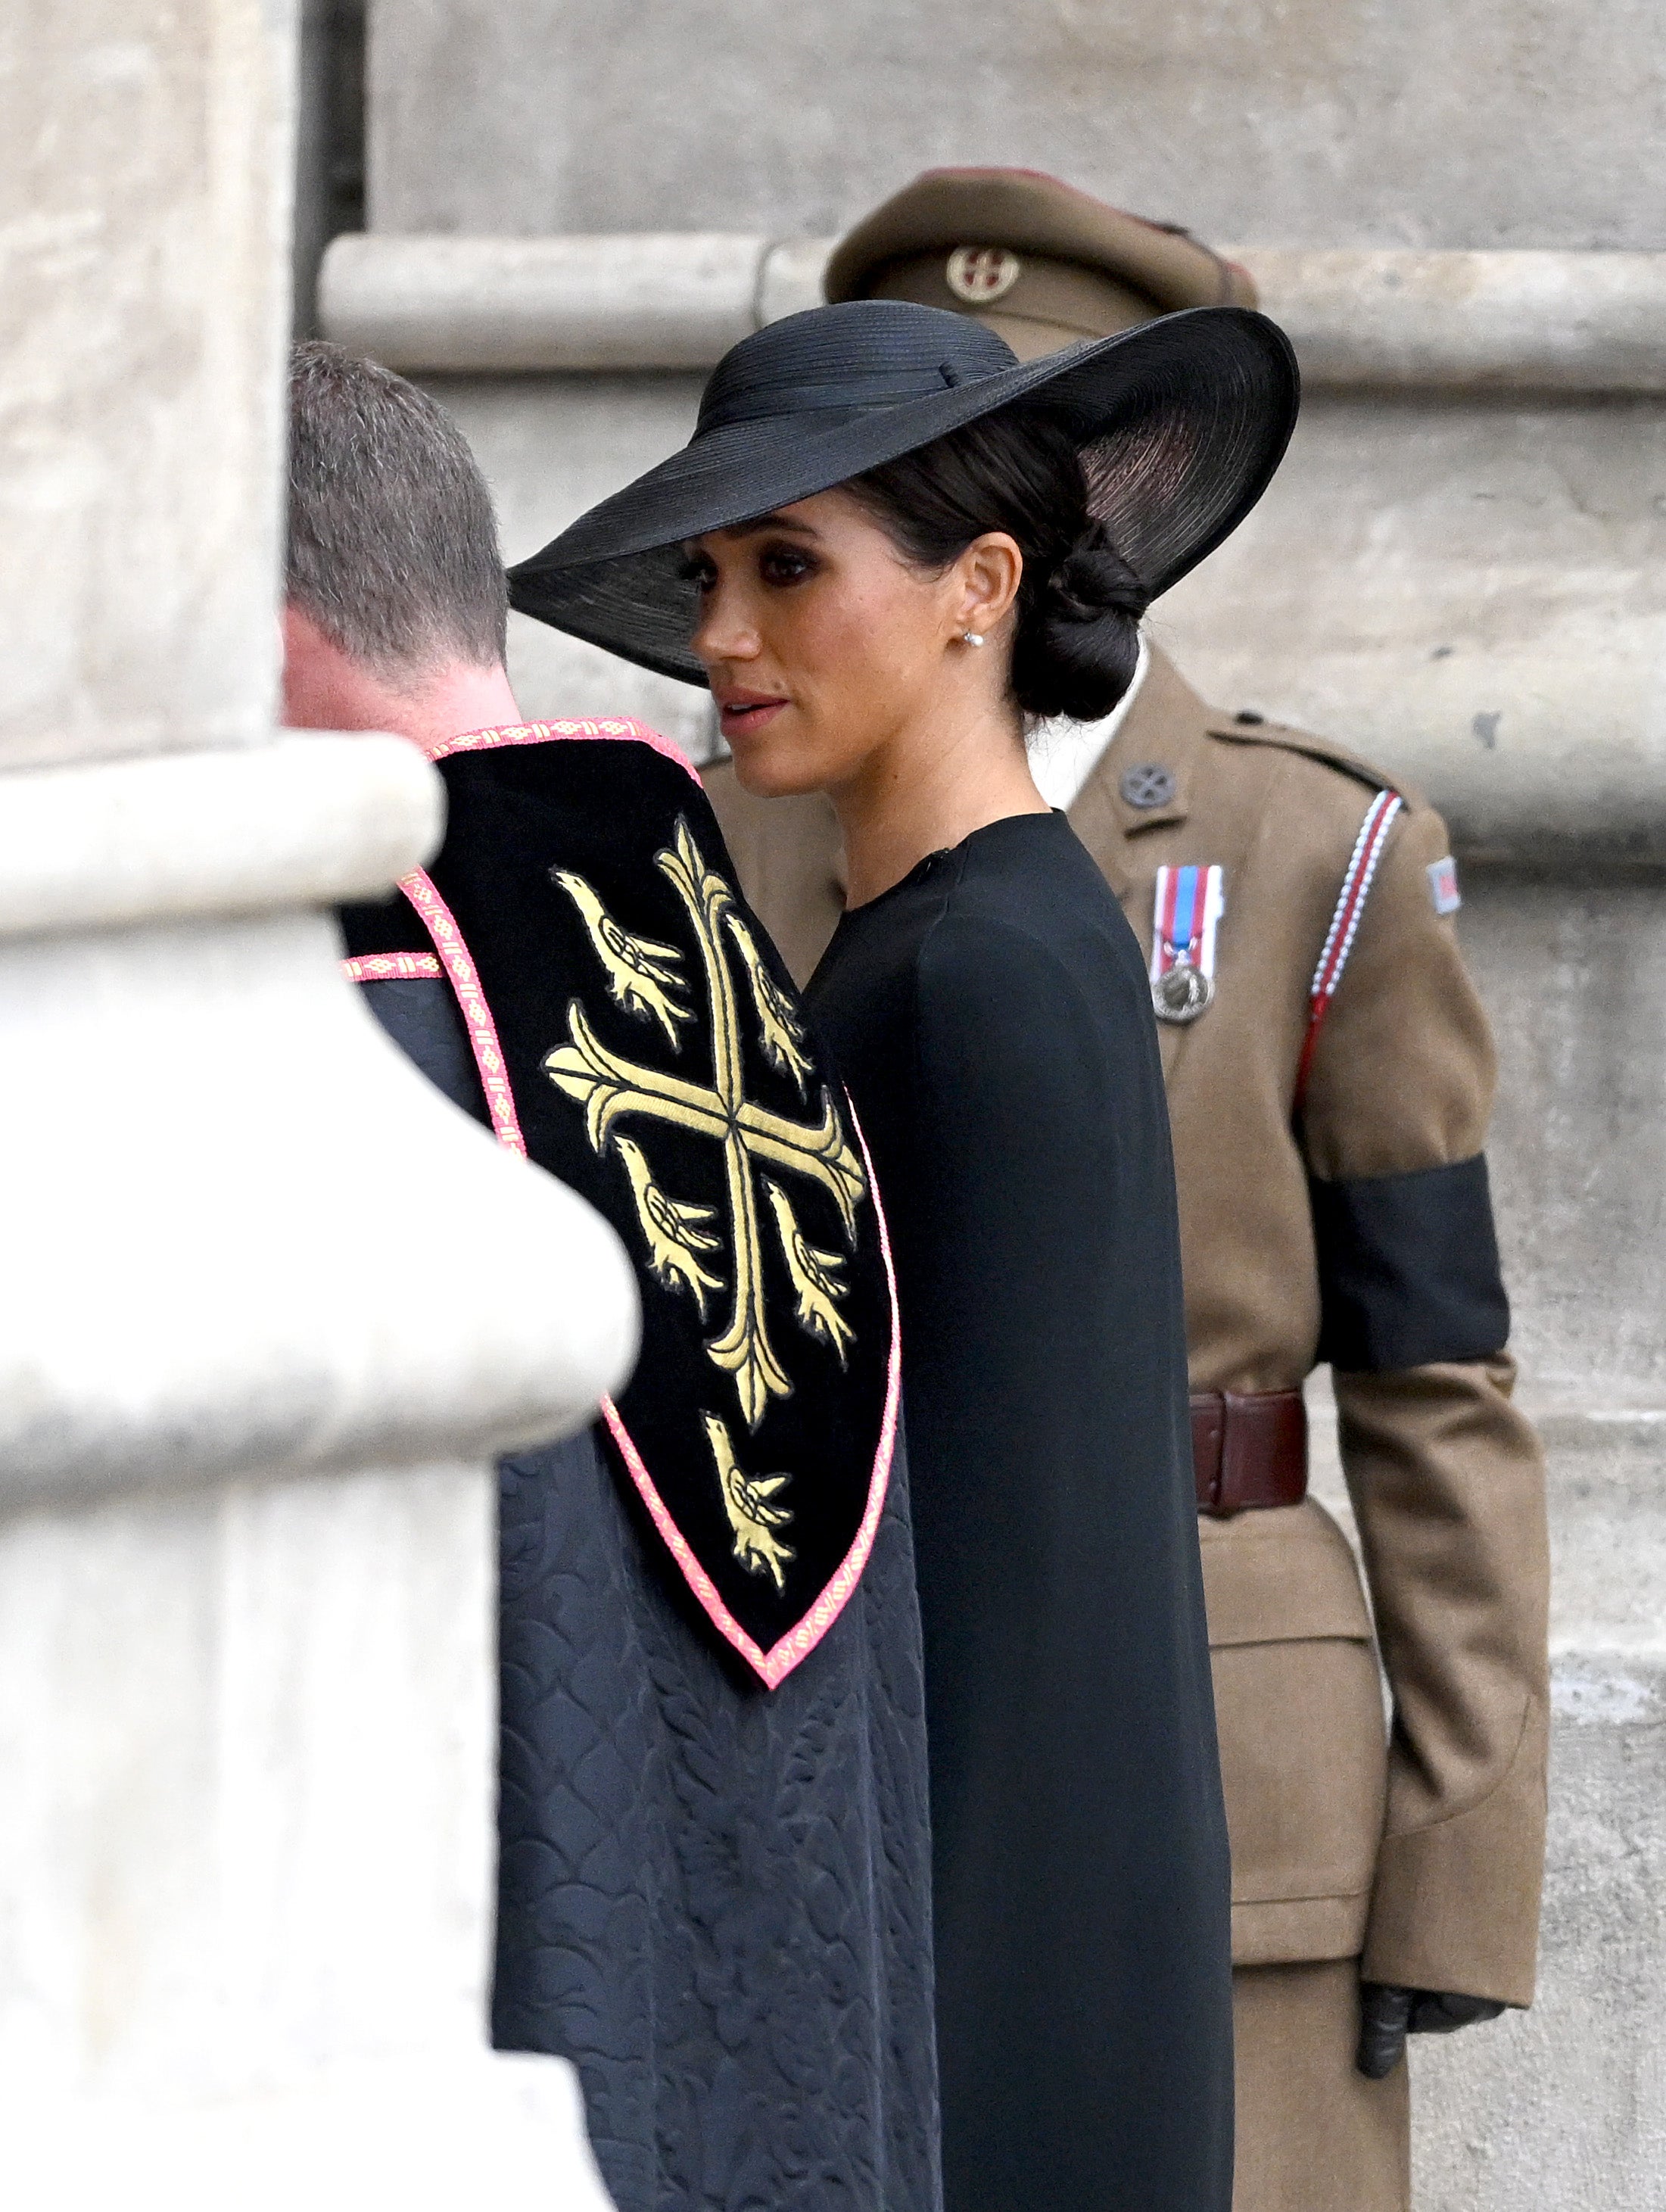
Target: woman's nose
{"type": "Point", "coordinates": [724, 632]}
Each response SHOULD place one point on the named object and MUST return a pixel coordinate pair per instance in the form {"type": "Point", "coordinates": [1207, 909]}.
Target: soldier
{"type": "Point", "coordinates": [1329, 1074]}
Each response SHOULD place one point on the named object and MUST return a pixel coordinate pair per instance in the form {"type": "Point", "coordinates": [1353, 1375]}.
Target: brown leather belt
{"type": "Point", "coordinates": [1248, 1448]}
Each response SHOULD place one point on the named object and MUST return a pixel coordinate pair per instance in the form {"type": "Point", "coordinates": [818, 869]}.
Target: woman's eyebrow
{"type": "Point", "coordinates": [772, 522]}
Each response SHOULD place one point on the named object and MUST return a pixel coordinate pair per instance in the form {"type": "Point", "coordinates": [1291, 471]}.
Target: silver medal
{"type": "Point", "coordinates": [1182, 992]}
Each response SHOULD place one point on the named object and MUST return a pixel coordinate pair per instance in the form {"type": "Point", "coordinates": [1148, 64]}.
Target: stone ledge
{"type": "Point", "coordinates": [506, 304]}
{"type": "Point", "coordinates": [245, 1237]}
{"type": "Point", "coordinates": [303, 820]}
{"type": "Point", "coordinates": [1475, 322]}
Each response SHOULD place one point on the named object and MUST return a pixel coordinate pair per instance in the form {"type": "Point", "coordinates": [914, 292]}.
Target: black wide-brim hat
{"type": "Point", "coordinates": [1180, 425]}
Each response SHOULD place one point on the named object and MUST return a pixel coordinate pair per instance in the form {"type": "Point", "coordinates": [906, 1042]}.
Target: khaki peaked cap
{"type": "Point", "coordinates": [1038, 261]}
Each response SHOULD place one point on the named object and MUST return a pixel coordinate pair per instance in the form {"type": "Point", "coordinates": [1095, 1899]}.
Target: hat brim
{"type": "Point", "coordinates": [1180, 425]}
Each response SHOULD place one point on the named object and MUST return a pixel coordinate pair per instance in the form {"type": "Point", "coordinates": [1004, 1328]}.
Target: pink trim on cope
{"type": "Point", "coordinates": [464, 978]}
{"type": "Point", "coordinates": [541, 733]}
{"type": "Point", "coordinates": [391, 967]}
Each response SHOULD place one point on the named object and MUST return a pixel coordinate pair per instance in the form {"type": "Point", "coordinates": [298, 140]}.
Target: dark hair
{"type": "Point", "coordinates": [1077, 641]}
{"type": "Point", "coordinates": [393, 544]}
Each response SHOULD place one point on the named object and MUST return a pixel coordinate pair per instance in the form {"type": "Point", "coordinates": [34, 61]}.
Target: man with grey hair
{"type": "Point", "coordinates": [395, 610]}
{"type": "Point", "coordinates": [714, 1865]}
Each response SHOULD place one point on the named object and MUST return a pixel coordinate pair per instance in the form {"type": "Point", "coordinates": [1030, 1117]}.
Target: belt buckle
{"type": "Point", "coordinates": [1214, 1414]}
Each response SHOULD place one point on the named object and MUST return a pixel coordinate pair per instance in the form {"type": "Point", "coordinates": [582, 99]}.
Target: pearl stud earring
{"type": "Point", "coordinates": [971, 637]}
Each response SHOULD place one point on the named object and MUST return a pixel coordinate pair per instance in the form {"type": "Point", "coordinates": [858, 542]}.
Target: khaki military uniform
{"type": "Point", "coordinates": [1345, 1231]}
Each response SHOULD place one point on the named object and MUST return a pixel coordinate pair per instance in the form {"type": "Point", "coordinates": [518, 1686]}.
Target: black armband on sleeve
{"type": "Point", "coordinates": [1408, 1268]}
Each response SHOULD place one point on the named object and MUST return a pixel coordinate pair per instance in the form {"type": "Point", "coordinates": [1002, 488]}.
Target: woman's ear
{"type": "Point", "coordinates": [987, 573]}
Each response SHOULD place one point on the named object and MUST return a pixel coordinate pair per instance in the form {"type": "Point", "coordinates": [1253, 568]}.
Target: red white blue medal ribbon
{"type": "Point", "coordinates": [1189, 903]}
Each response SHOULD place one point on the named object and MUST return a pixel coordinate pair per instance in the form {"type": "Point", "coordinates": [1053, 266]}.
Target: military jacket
{"type": "Point", "coordinates": [1357, 1229]}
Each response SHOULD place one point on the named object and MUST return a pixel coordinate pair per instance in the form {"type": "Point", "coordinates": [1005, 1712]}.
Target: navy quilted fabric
{"type": "Point", "coordinates": [712, 1896]}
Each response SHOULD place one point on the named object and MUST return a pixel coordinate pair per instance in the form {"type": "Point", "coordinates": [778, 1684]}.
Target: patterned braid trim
{"type": "Point", "coordinates": [1344, 927]}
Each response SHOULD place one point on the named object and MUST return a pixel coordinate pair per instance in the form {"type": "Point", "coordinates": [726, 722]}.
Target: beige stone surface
{"type": "Point", "coordinates": [246, 1236]}
{"type": "Point", "coordinates": [1469, 593]}
{"type": "Point", "coordinates": [503, 305]}
{"type": "Point", "coordinates": [143, 243]}
{"type": "Point", "coordinates": [1305, 122]}
{"type": "Point", "coordinates": [308, 817]}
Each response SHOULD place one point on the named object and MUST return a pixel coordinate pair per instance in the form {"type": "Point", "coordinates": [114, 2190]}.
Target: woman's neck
{"type": "Point", "coordinates": [927, 790]}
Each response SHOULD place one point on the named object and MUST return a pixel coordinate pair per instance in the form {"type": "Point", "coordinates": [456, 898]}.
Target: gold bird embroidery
{"type": "Point", "coordinates": [747, 1502]}
{"type": "Point", "coordinates": [817, 1276]}
{"type": "Point", "coordinates": [675, 1231]}
{"type": "Point", "coordinates": [780, 1031]}
{"type": "Point", "coordinates": [641, 973]}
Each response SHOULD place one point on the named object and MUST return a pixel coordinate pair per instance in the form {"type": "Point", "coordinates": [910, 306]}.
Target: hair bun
{"type": "Point", "coordinates": [1076, 654]}
{"type": "Point", "coordinates": [1092, 579]}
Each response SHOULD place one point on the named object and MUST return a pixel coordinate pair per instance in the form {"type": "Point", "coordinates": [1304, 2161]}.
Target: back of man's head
{"type": "Point", "coordinates": [393, 550]}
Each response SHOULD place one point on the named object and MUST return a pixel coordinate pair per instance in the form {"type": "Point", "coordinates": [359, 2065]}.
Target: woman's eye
{"type": "Point", "coordinates": [699, 573]}
{"type": "Point", "coordinates": [785, 564]}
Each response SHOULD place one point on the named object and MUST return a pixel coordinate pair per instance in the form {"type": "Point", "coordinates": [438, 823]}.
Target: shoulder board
{"type": "Point", "coordinates": [1283, 738]}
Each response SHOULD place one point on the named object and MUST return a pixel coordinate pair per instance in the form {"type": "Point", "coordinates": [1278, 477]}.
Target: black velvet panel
{"type": "Point", "coordinates": [1408, 1268]}
{"type": "Point", "coordinates": [389, 925]}
{"type": "Point", "coordinates": [660, 1065]}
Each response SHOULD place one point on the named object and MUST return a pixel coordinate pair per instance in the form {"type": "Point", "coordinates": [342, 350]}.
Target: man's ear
{"type": "Point", "coordinates": [990, 572]}
{"type": "Point", "coordinates": [302, 638]}
{"type": "Point", "coordinates": [317, 675]}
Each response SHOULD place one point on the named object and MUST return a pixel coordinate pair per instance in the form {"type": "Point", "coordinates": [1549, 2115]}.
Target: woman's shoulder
{"type": "Point", "coordinates": [1023, 904]}
{"type": "Point", "coordinates": [1015, 914]}
{"type": "Point", "coordinates": [984, 960]}
{"type": "Point", "coordinates": [1033, 1013]}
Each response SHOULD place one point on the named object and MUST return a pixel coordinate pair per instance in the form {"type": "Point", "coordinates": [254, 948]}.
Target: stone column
{"type": "Point", "coordinates": [268, 1305]}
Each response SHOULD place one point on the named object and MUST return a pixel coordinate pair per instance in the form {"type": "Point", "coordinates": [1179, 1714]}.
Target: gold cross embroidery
{"type": "Point", "coordinates": [646, 978]}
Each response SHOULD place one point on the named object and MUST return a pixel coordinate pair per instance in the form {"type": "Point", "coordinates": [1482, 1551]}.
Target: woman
{"type": "Point", "coordinates": [887, 549]}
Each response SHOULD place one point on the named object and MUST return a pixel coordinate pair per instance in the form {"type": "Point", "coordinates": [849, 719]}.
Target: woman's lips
{"type": "Point", "coordinates": [743, 717]}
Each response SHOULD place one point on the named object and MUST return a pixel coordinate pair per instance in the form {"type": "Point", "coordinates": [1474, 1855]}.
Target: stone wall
{"type": "Point", "coordinates": [1320, 122]}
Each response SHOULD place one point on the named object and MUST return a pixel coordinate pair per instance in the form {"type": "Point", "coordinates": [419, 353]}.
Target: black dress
{"type": "Point", "coordinates": [993, 1019]}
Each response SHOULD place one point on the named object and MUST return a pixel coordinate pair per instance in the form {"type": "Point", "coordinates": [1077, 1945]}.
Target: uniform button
{"type": "Point", "coordinates": [1148, 785]}
{"type": "Point", "coordinates": [1248, 714]}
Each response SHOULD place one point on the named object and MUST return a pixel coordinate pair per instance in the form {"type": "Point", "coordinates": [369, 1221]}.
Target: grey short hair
{"type": "Point", "coordinates": [393, 544]}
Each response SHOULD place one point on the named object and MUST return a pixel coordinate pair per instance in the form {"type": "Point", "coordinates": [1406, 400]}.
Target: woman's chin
{"type": "Point", "coordinates": [772, 770]}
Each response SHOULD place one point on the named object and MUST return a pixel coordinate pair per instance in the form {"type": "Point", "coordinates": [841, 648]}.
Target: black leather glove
{"type": "Point", "coordinates": [1388, 2014]}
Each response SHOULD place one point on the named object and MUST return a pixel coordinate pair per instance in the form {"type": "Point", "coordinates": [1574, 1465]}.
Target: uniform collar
{"type": "Point", "coordinates": [1165, 728]}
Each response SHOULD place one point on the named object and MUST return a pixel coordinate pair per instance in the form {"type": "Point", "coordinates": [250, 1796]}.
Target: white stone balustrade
{"type": "Point", "coordinates": [269, 1305]}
